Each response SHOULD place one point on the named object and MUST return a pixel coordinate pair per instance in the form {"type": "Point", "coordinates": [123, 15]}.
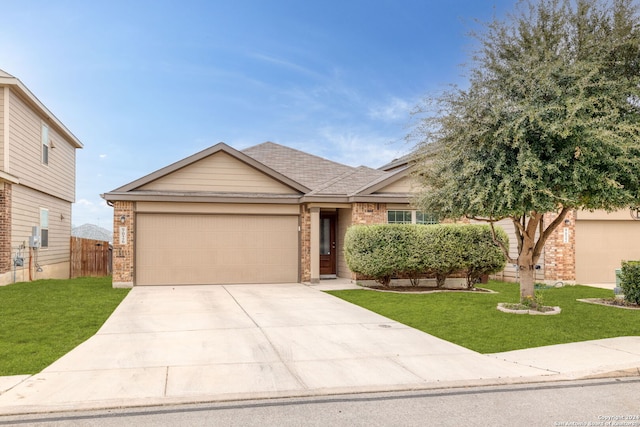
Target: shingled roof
{"type": "Point", "coordinates": [313, 176]}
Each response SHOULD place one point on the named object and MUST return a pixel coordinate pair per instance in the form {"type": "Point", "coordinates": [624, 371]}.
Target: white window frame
{"type": "Point", "coordinates": [412, 221]}
{"type": "Point", "coordinates": [46, 144]}
{"type": "Point", "coordinates": [44, 228]}
{"type": "Point", "coordinates": [414, 217]}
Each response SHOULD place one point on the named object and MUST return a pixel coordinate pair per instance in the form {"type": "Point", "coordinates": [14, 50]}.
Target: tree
{"type": "Point", "coordinates": [549, 122]}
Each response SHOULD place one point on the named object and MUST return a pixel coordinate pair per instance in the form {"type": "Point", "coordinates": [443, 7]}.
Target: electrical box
{"type": "Point", "coordinates": [34, 239]}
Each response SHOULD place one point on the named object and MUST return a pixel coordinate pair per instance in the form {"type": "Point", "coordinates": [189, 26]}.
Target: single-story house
{"type": "Point", "coordinates": [271, 214]}
{"type": "Point", "coordinates": [266, 214]}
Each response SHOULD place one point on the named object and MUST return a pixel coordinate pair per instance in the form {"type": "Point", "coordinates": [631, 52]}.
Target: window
{"type": "Point", "coordinates": [45, 144]}
{"type": "Point", "coordinates": [410, 217]}
{"type": "Point", "coordinates": [44, 228]}
{"type": "Point", "coordinates": [398, 217]}
{"type": "Point", "coordinates": [425, 218]}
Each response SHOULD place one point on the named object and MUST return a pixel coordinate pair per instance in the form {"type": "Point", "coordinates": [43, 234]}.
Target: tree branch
{"type": "Point", "coordinates": [549, 230]}
{"type": "Point", "coordinates": [505, 249]}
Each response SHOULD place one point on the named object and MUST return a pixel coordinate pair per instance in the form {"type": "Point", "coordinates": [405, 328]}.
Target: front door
{"type": "Point", "coordinates": [328, 260]}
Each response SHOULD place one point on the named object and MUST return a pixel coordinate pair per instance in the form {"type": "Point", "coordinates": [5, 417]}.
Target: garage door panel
{"type": "Point", "coordinates": [601, 246]}
{"type": "Point", "coordinates": [209, 249]}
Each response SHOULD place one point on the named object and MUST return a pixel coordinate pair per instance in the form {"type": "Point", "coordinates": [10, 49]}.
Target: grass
{"type": "Point", "coordinates": [472, 320]}
{"type": "Point", "coordinates": [40, 321]}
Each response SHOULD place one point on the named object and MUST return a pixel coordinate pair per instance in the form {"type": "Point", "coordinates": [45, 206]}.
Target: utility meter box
{"type": "Point", "coordinates": [34, 239]}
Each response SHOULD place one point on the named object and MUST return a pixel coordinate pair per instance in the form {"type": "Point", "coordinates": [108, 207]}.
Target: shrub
{"type": "Point", "coordinates": [630, 281]}
{"type": "Point", "coordinates": [379, 251]}
{"type": "Point", "coordinates": [482, 255]}
{"type": "Point", "coordinates": [440, 251]}
{"type": "Point", "coordinates": [382, 251]}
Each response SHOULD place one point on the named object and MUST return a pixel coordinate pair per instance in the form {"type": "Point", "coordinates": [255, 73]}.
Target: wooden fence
{"type": "Point", "coordinates": [90, 258]}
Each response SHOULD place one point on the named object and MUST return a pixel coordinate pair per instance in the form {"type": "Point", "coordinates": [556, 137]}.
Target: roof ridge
{"type": "Point", "coordinates": [338, 178]}
{"type": "Point", "coordinates": [298, 151]}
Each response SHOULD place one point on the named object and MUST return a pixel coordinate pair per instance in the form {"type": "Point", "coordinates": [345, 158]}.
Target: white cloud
{"type": "Point", "coordinates": [395, 109]}
{"type": "Point", "coordinates": [356, 149]}
{"type": "Point", "coordinates": [87, 211]}
{"type": "Point", "coordinates": [103, 156]}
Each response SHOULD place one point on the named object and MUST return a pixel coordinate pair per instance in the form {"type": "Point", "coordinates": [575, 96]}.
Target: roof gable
{"type": "Point", "coordinates": [8, 80]}
{"type": "Point", "coordinates": [390, 182]}
{"type": "Point", "coordinates": [217, 169]}
{"type": "Point", "coordinates": [219, 172]}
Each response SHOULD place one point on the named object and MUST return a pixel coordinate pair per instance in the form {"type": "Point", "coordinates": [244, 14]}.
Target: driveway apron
{"type": "Point", "coordinates": [172, 344]}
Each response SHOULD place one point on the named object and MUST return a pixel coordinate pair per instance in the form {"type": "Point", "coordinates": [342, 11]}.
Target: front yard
{"type": "Point", "coordinates": [472, 320]}
{"type": "Point", "coordinates": [42, 320]}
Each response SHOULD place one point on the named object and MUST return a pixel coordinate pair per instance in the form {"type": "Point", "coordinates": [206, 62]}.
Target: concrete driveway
{"type": "Point", "coordinates": [203, 343]}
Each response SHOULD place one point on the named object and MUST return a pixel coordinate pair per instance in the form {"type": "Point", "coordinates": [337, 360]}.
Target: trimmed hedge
{"type": "Point", "coordinates": [630, 281]}
{"type": "Point", "coordinates": [386, 250]}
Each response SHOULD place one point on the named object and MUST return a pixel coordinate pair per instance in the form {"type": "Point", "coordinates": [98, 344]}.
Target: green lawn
{"type": "Point", "coordinates": [42, 320]}
{"type": "Point", "coordinates": [472, 320]}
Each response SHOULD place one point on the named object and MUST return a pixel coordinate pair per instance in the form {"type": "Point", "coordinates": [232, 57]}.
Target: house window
{"type": "Point", "coordinates": [45, 144]}
{"type": "Point", "coordinates": [44, 228]}
{"type": "Point", "coordinates": [425, 218]}
{"type": "Point", "coordinates": [410, 217]}
{"type": "Point", "coordinates": [399, 217]}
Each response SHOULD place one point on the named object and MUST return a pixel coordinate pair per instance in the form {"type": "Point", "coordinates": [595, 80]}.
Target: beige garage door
{"type": "Point", "coordinates": [601, 246]}
{"type": "Point", "coordinates": [174, 249]}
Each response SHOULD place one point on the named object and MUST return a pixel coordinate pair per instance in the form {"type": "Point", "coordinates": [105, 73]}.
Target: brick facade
{"type": "Point", "coordinates": [123, 249]}
{"type": "Point", "coordinates": [5, 227]}
{"type": "Point", "coordinates": [305, 243]}
{"type": "Point", "coordinates": [369, 213]}
{"type": "Point", "coordinates": [560, 249]}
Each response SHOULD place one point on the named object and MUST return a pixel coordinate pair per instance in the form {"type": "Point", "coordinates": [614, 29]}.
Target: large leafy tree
{"type": "Point", "coordinates": [549, 122]}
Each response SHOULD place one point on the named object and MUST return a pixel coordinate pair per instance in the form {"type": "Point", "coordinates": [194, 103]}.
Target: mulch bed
{"type": "Point", "coordinates": [612, 302]}
{"type": "Point", "coordinates": [421, 289]}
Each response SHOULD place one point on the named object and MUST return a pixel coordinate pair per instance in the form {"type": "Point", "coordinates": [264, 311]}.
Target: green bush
{"type": "Point", "coordinates": [382, 251]}
{"type": "Point", "coordinates": [482, 256]}
{"type": "Point", "coordinates": [378, 251]}
{"type": "Point", "coordinates": [630, 281]}
{"type": "Point", "coordinates": [440, 251]}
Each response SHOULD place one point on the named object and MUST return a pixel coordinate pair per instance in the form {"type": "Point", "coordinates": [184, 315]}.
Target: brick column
{"type": "Point", "coordinates": [560, 249]}
{"type": "Point", "coordinates": [123, 250]}
{"type": "Point", "coordinates": [314, 244]}
{"type": "Point", "coordinates": [305, 244]}
{"type": "Point", "coordinates": [5, 228]}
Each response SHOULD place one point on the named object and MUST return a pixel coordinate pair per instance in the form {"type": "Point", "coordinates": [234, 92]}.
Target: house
{"type": "Point", "coordinates": [37, 186]}
{"type": "Point", "coordinates": [266, 214]}
{"type": "Point", "coordinates": [273, 214]}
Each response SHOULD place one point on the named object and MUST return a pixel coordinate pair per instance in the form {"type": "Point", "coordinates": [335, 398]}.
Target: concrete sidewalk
{"type": "Point", "coordinates": [167, 345]}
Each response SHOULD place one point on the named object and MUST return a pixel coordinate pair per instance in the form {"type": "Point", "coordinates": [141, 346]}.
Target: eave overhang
{"type": "Point", "coordinates": [34, 102]}
{"type": "Point", "coordinates": [152, 196]}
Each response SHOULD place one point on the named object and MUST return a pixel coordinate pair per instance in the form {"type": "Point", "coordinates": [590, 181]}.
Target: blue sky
{"type": "Point", "coordinates": [146, 83]}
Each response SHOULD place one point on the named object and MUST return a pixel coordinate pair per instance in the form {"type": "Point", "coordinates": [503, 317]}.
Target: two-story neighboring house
{"type": "Point", "coordinates": [37, 186]}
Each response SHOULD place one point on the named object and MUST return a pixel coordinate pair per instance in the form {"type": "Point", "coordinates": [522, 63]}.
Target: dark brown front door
{"type": "Point", "coordinates": [328, 244]}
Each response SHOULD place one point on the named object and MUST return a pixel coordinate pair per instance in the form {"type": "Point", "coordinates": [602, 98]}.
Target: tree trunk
{"type": "Point", "coordinates": [527, 283]}
{"type": "Point", "coordinates": [527, 259]}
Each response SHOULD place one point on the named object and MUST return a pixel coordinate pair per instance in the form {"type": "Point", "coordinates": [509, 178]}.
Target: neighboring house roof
{"type": "Point", "coordinates": [93, 232]}
{"type": "Point", "coordinates": [397, 163]}
{"type": "Point", "coordinates": [7, 79]}
{"type": "Point", "coordinates": [314, 178]}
